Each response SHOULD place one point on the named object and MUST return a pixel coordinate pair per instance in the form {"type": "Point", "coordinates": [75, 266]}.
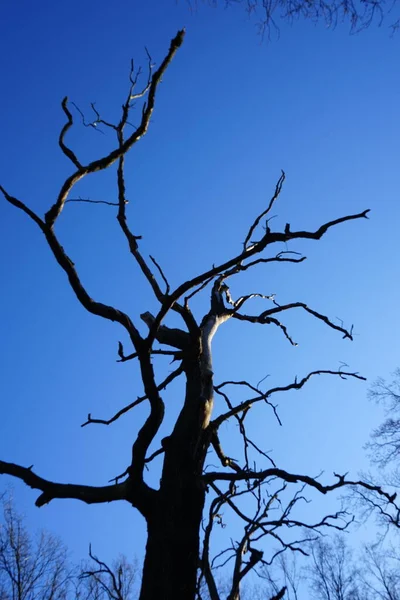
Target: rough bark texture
{"type": "Point", "coordinates": [173, 546]}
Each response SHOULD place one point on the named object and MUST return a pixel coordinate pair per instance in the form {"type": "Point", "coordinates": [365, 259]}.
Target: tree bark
{"type": "Point", "coordinates": [173, 543]}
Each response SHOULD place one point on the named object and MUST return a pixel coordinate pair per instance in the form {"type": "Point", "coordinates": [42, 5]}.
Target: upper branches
{"type": "Point", "coordinates": [252, 250]}
{"type": "Point", "coordinates": [102, 163]}
{"type": "Point", "coordinates": [260, 396]}
{"type": "Point", "coordinates": [106, 161]}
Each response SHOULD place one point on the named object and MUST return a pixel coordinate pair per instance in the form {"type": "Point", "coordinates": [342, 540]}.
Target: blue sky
{"type": "Point", "coordinates": [231, 113]}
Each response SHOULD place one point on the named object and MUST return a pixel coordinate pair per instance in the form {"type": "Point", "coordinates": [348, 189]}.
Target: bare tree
{"type": "Point", "coordinates": [39, 569]}
{"type": "Point", "coordinates": [384, 452]}
{"type": "Point", "coordinates": [287, 574]}
{"type": "Point", "coordinates": [385, 444]}
{"type": "Point", "coordinates": [96, 580]}
{"type": "Point", "coordinates": [358, 14]}
{"type": "Point", "coordinates": [333, 575]}
{"type": "Point", "coordinates": [191, 489]}
{"type": "Point", "coordinates": [380, 573]}
{"type": "Point", "coordinates": [30, 569]}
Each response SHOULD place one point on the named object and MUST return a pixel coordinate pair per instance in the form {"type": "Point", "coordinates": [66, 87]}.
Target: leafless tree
{"type": "Point", "coordinates": [30, 569]}
{"type": "Point", "coordinates": [380, 573]}
{"type": "Point", "coordinates": [333, 574]}
{"type": "Point", "coordinates": [384, 452]}
{"type": "Point", "coordinates": [385, 444]}
{"type": "Point", "coordinates": [96, 580]}
{"type": "Point", "coordinates": [193, 496]}
{"type": "Point", "coordinates": [357, 13]}
{"type": "Point", "coordinates": [39, 569]}
{"type": "Point", "coordinates": [288, 573]}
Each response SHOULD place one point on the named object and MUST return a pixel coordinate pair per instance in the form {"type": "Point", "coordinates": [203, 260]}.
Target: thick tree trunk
{"type": "Point", "coordinates": [172, 551]}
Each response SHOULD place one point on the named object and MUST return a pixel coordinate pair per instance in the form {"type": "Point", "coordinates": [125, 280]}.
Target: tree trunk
{"type": "Point", "coordinates": [172, 551]}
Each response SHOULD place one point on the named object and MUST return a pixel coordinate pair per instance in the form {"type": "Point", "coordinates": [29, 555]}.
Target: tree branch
{"type": "Point", "coordinates": [67, 151]}
{"type": "Point", "coordinates": [177, 338]}
{"type": "Point", "coordinates": [51, 490]}
{"type": "Point", "coordinates": [264, 396]}
{"type": "Point", "coordinates": [138, 400]}
{"type": "Point", "coordinates": [293, 478]}
{"type": "Point", "coordinates": [105, 162]}
{"type": "Point", "coordinates": [277, 192]}
{"type": "Point", "coordinates": [266, 240]}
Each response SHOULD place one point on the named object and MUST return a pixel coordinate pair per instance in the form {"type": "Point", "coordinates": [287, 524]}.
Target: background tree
{"type": "Point", "coordinates": [30, 569]}
{"type": "Point", "coordinates": [337, 573]}
{"type": "Point", "coordinates": [96, 580]}
{"type": "Point", "coordinates": [38, 568]}
{"type": "Point", "coordinates": [191, 488]}
{"type": "Point", "coordinates": [385, 443]}
{"type": "Point", "coordinates": [384, 452]}
{"type": "Point", "coordinates": [333, 574]}
{"type": "Point", "coordinates": [358, 14]}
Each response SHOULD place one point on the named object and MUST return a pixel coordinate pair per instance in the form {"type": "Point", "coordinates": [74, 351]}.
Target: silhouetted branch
{"type": "Point", "coordinates": [132, 405]}
{"type": "Point", "coordinates": [106, 161]}
{"type": "Point", "coordinates": [253, 227]}
{"type": "Point", "coordinates": [67, 151]}
{"type": "Point", "coordinates": [268, 239]}
{"type": "Point", "coordinates": [88, 201]}
{"type": "Point", "coordinates": [124, 358]}
{"type": "Point", "coordinates": [167, 286]}
{"type": "Point", "coordinates": [293, 478]}
{"type": "Point", "coordinates": [51, 490]}
{"type": "Point", "coordinates": [264, 396]}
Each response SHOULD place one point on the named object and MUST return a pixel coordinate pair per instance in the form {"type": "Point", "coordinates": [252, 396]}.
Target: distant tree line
{"type": "Point", "coordinates": [38, 567]}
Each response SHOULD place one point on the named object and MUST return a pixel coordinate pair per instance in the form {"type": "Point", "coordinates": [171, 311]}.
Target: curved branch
{"type": "Point", "coordinates": [281, 308]}
{"type": "Point", "coordinates": [67, 151]}
{"type": "Point", "coordinates": [267, 321]}
{"type": "Point", "coordinates": [97, 308]}
{"type": "Point", "coordinates": [51, 490]}
{"type": "Point", "coordinates": [293, 478]}
{"type": "Point", "coordinates": [105, 162]}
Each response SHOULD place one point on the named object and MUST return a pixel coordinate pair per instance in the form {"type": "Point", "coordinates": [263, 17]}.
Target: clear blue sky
{"type": "Point", "coordinates": [231, 112]}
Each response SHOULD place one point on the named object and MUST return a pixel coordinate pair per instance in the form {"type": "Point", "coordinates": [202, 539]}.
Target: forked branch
{"type": "Point", "coordinates": [234, 263]}
{"type": "Point", "coordinates": [265, 396]}
{"type": "Point", "coordinates": [106, 161]}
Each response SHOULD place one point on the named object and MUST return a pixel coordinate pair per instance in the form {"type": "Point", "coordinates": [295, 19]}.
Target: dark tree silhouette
{"type": "Point", "coordinates": [178, 558]}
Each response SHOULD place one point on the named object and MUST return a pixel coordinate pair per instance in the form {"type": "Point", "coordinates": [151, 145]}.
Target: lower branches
{"type": "Point", "coordinates": [51, 490]}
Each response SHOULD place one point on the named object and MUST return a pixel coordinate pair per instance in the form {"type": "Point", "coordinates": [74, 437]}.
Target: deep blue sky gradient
{"type": "Point", "coordinates": [231, 113]}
